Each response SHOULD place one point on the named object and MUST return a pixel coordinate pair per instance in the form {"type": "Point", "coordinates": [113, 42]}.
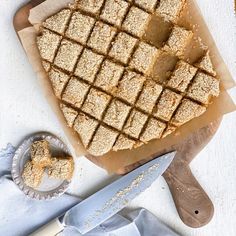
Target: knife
{"type": "Point", "coordinates": [105, 203]}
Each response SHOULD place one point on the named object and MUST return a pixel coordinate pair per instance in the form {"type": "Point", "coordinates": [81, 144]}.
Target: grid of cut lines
{"type": "Point", "coordinates": [125, 66]}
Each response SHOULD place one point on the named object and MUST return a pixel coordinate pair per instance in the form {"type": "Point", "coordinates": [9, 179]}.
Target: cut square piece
{"type": "Point", "coordinates": [186, 112]}
{"type": "Point", "coordinates": [91, 6]}
{"type": "Point", "coordinates": [136, 21]}
{"type": "Point", "coordinates": [95, 103]}
{"type": "Point", "coordinates": [61, 168]}
{"type": "Point", "coordinates": [170, 10]}
{"type": "Point", "coordinates": [58, 21]}
{"type": "Point", "coordinates": [144, 58]}
{"type": "Point", "coordinates": [103, 141]}
{"type": "Point", "coordinates": [46, 66]}
{"type": "Point", "coordinates": [80, 27]}
{"type": "Point", "coordinates": [130, 86]}
{"type": "Point", "coordinates": [117, 114]}
{"type": "Point", "coordinates": [75, 92]}
{"type": "Point", "coordinates": [203, 88]}
{"type": "Point", "coordinates": [47, 44]}
{"type": "Point", "coordinates": [135, 123]}
{"type": "Point", "coordinates": [149, 96]}
{"type": "Point", "coordinates": [109, 76]}
{"type": "Point", "coordinates": [148, 5]}
{"type": "Point", "coordinates": [88, 65]}
{"type": "Point", "coordinates": [169, 130]}
{"type": "Point", "coordinates": [85, 127]}
{"type": "Point", "coordinates": [153, 130]}
{"type": "Point", "coordinates": [67, 55]}
{"type": "Point", "coordinates": [182, 76]}
{"type": "Point", "coordinates": [58, 80]}
{"type": "Point", "coordinates": [114, 11]}
{"type": "Point", "coordinates": [167, 104]}
{"type": "Point", "coordinates": [178, 40]}
{"type": "Point", "coordinates": [101, 37]}
{"type": "Point", "coordinates": [32, 174]}
{"type": "Point", "coordinates": [123, 47]}
{"type": "Point", "coordinates": [205, 64]}
{"type": "Point", "coordinates": [40, 153]}
{"type": "Point", "coordinates": [123, 143]}
{"type": "Point", "coordinates": [69, 113]}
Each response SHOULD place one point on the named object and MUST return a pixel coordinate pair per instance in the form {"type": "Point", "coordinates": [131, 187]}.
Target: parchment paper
{"type": "Point", "coordinates": [113, 161]}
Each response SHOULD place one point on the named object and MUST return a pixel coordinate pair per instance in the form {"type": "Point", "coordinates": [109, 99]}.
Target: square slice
{"type": "Point", "coordinates": [178, 40]}
{"type": "Point", "coordinates": [144, 58]}
{"type": "Point", "coordinates": [58, 21]}
{"type": "Point", "coordinates": [129, 86]}
{"type": "Point", "coordinates": [187, 111]}
{"type": "Point", "coordinates": [61, 168]}
{"type": "Point", "coordinates": [40, 153]}
{"type": "Point", "coordinates": [149, 96]}
{"type": "Point", "coordinates": [170, 10]}
{"type": "Point", "coordinates": [91, 6]}
{"type": "Point", "coordinates": [58, 80]}
{"type": "Point", "coordinates": [123, 143]}
{"type": "Point", "coordinates": [109, 76]}
{"type": "Point", "coordinates": [32, 174]}
{"type": "Point", "coordinates": [69, 113]}
{"type": "Point", "coordinates": [103, 141]}
{"type": "Point", "coordinates": [67, 55]}
{"type": "Point", "coordinates": [114, 11]}
{"type": "Point", "coordinates": [203, 88]}
{"type": "Point", "coordinates": [85, 127]}
{"type": "Point", "coordinates": [123, 47]}
{"type": "Point", "coordinates": [88, 65]}
{"type": "Point", "coordinates": [101, 37]}
{"type": "Point", "coordinates": [136, 21]}
{"type": "Point", "coordinates": [96, 103]}
{"type": "Point", "coordinates": [117, 114]}
{"type": "Point", "coordinates": [80, 27]}
{"type": "Point", "coordinates": [75, 92]}
{"type": "Point", "coordinates": [153, 130]}
{"type": "Point", "coordinates": [182, 76]}
{"type": "Point", "coordinates": [135, 123]}
{"type": "Point", "coordinates": [167, 104]}
{"type": "Point", "coordinates": [206, 65]}
{"type": "Point", "coordinates": [148, 5]}
{"type": "Point", "coordinates": [48, 43]}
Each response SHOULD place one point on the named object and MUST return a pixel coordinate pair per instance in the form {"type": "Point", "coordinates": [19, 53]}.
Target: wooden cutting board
{"type": "Point", "coordinates": [192, 203]}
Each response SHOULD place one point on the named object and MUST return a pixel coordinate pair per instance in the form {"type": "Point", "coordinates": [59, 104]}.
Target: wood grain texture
{"type": "Point", "coordinates": [193, 205]}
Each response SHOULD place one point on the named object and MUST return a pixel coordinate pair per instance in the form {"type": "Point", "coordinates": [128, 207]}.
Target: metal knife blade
{"type": "Point", "coordinates": [107, 202]}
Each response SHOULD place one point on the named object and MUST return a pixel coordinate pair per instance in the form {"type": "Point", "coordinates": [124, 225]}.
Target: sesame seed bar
{"type": "Point", "coordinates": [136, 21]}
{"type": "Point", "coordinates": [91, 6]}
{"type": "Point", "coordinates": [69, 113]}
{"type": "Point", "coordinates": [203, 88]}
{"type": "Point", "coordinates": [117, 114]}
{"type": "Point", "coordinates": [40, 153]}
{"type": "Point", "coordinates": [114, 11]}
{"type": "Point", "coordinates": [182, 76]}
{"type": "Point", "coordinates": [122, 47]}
{"type": "Point", "coordinates": [144, 58]}
{"type": "Point", "coordinates": [85, 127]}
{"type": "Point", "coordinates": [75, 92]}
{"type": "Point", "coordinates": [148, 5]}
{"type": "Point", "coordinates": [88, 65]}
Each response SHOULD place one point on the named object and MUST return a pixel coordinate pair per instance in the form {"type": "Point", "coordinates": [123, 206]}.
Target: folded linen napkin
{"type": "Point", "coordinates": [20, 215]}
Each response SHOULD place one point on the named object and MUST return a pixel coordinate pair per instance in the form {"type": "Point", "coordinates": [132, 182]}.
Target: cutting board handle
{"type": "Point", "coordinates": [193, 204]}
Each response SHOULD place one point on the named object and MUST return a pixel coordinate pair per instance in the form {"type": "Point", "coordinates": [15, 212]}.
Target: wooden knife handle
{"type": "Point", "coordinates": [193, 205]}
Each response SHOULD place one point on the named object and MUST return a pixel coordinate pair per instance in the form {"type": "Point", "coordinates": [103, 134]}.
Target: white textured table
{"type": "Point", "coordinates": [24, 110]}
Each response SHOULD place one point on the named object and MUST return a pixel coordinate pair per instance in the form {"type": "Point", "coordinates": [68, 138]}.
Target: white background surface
{"type": "Point", "coordinates": [24, 110]}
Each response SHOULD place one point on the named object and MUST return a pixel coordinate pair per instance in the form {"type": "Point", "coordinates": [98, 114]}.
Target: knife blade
{"type": "Point", "coordinates": [105, 203]}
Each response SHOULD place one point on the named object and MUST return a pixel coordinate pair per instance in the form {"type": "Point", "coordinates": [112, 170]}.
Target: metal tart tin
{"type": "Point", "coordinates": [49, 188]}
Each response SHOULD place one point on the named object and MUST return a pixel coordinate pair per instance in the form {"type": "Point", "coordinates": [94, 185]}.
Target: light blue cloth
{"type": "Point", "coordinates": [20, 215]}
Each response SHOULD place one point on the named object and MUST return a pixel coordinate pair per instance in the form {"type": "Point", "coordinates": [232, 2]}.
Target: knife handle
{"type": "Point", "coordinates": [193, 205]}
{"type": "Point", "coordinates": [51, 229]}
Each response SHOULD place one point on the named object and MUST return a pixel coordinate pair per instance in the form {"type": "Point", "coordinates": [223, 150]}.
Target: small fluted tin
{"type": "Point", "coordinates": [49, 188]}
